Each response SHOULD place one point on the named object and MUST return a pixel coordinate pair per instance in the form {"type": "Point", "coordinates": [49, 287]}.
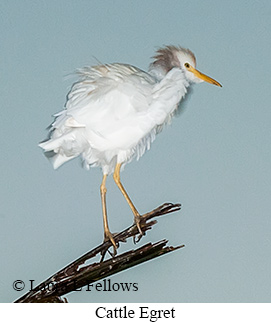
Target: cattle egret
{"type": "Point", "coordinates": [114, 112]}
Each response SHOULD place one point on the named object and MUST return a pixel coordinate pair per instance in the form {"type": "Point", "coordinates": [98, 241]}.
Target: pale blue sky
{"type": "Point", "coordinates": [214, 158]}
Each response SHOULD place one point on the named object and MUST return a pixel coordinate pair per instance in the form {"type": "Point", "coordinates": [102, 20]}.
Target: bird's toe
{"type": "Point", "coordinates": [108, 236]}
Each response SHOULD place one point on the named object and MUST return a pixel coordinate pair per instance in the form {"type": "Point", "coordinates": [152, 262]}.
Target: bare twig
{"type": "Point", "coordinates": [77, 274]}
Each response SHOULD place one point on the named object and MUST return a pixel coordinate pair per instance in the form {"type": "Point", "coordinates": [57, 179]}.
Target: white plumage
{"type": "Point", "coordinates": [114, 112]}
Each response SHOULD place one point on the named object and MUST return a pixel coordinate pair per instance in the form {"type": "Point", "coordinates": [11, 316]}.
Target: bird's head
{"type": "Point", "coordinates": [171, 56]}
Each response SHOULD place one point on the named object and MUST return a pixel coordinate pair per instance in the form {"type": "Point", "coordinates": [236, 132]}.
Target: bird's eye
{"type": "Point", "coordinates": [186, 65]}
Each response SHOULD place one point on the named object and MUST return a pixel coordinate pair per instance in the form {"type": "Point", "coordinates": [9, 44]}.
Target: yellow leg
{"type": "Point", "coordinates": [107, 233]}
{"type": "Point", "coordinates": [137, 216]}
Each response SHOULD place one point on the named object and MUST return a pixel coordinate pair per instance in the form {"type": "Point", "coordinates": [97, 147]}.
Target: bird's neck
{"type": "Point", "coordinates": [173, 86]}
{"type": "Point", "coordinates": [167, 93]}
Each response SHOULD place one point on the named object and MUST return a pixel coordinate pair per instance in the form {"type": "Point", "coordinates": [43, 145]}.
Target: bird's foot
{"type": "Point", "coordinates": [137, 220]}
{"type": "Point", "coordinates": [108, 236]}
{"type": "Point", "coordinates": [160, 210]}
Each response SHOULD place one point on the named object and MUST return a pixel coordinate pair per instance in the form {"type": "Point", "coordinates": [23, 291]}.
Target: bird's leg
{"type": "Point", "coordinates": [137, 216]}
{"type": "Point", "coordinates": [107, 234]}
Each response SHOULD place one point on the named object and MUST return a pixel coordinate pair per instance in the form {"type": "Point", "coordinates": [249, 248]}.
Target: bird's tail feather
{"type": "Point", "coordinates": [58, 159]}
{"type": "Point", "coordinates": [63, 148]}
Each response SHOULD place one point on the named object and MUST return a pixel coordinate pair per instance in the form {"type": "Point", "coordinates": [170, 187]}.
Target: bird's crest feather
{"type": "Point", "coordinates": [166, 57]}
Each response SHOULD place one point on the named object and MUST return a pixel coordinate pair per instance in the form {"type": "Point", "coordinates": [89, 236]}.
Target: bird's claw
{"type": "Point", "coordinates": [137, 223]}
{"type": "Point", "coordinates": [108, 236]}
{"type": "Point", "coordinates": [136, 239]}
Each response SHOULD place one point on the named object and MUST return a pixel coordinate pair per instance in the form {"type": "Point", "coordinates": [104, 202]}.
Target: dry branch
{"type": "Point", "coordinates": [77, 274]}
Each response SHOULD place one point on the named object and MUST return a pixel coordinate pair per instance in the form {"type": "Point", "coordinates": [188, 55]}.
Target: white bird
{"type": "Point", "coordinates": [114, 112]}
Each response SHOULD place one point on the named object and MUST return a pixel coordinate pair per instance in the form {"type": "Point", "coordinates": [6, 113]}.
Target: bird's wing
{"type": "Point", "coordinates": [96, 82]}
{"type": "Point", "coordinates": [110, 102]}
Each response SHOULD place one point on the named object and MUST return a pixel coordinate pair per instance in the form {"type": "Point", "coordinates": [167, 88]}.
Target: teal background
{"type": "Point", "coordinates": [214, 158]}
